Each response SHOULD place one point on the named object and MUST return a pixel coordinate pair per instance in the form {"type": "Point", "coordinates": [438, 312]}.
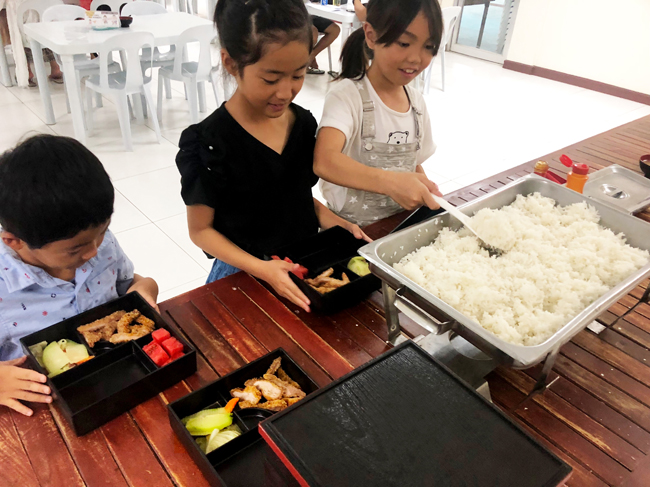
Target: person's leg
{"type": "Point", "coordinates": [4, 28]}
{"type": "Point", "coordinates": [55, 71]}
{"type": "Point", "coordinates": [30, 74]}
{"type": "Point", "coordinates": [331, 33]}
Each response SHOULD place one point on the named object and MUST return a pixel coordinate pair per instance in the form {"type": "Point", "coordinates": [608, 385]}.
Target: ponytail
{"type": "Point", "coordinates": [355, 57]}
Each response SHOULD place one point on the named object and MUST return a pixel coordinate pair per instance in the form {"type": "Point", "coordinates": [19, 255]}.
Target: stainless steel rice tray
{"type": "Point", "coordinates": [383, 253]}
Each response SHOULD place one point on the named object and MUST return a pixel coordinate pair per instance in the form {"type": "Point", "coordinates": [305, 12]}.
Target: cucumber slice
{"type": "Point", "coordinates": [203, 412]}
{"type": "Point", "coordinates": [205, 425]}
{"type": "Point", "coordinates": [220, 438]}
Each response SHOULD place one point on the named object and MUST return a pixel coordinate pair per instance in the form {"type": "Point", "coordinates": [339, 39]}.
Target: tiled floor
{"type": "Point", "coordinates": [487, 120]}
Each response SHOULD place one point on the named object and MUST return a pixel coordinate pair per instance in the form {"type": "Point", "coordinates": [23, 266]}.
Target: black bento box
{"type": "Point", "coordinates": [119, 377]}
{"type": "Point", "coordinates": [242, 461]}
{"type": "Point", "coordinates": [404, 419]}
{"type": "Point", "coordinates": [330, 248]}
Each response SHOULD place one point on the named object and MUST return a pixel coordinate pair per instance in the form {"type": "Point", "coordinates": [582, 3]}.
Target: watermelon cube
{"type": "Point", "coordinates": [160, 335]}
{"type": "Point", "coordinates": [172, 346]}
{"type": "Point", "coordinates": [156, 353]}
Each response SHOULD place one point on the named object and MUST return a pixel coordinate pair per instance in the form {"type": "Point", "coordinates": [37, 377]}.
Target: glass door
{"type": "Point", "coordinates": [483, 28]}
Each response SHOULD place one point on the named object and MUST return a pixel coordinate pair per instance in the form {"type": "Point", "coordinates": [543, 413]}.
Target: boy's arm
{"type": "Point", "coordinates": [328, 219]}
{"type": "Point", "coordinates": [276, 273]}
{"type": "Point", "coordinates": [147, 287]}
{"type": "Point", "coordinates": [409, 189]}
{"type": "Point", "coordinates": [19, 384]}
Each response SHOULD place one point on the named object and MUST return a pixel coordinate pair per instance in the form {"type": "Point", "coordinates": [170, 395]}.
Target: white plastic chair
{"type": "Point", "coordinates": [227, 81]}
{"type": "Point", "coordinates": [143, 7]}
{"type": "Point", "coordinates": [38, 6]}
{"type": "Point", "coordinates": [132, 81]}
{"type": "Point", "coordinates": [449, 17]}
{"type": "Point", "coordinates": [63, 12]}
{"type": "Point", "coordinates": [84, 67]}
{"type": "Point", "coordinates": [160, 59]}
{"type": "Point", "coordinates": [114, 5]}
{"type": "Point", "coordinates": [193, 74]}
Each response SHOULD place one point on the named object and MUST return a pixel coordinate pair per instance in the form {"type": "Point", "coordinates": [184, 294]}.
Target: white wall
{"type": "Point", "coordinates": [602, 40]}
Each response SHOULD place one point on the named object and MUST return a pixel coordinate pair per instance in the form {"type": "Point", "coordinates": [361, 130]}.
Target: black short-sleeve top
{"type": "Point", "coordinates": [262, 199]}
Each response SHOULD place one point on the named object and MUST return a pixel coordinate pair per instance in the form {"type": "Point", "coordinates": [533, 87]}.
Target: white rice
{"type": "Point", "coordinates": [558, 260]}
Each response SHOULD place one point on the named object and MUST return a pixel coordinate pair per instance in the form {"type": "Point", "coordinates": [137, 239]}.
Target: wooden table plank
{"type": "Point", "coordinates": [626, 405]}
{"type": "Point", "coordinates": [320, 350]}
{"type": "Point", "coordinates": [613, 356]}
{"type": "Point", "coordinates": [17, 470]}
{"type": "Point", "coordinates": [202, 319]}
{"type": "Point", "coordinates": [131, 451]}
{"type": "Point", "coordinates": [507, 397]}
{"type": "Point", "coordinates": [151, 417]}
{"type": "Point", "coordinates": [270, 335]}
{"type": "Point", "coordinates": [597, 410]}
{"type": "Point", "coordinates": [604, 439]}
{"type": "Point", "coordinates": [91, 454]}
{"type": "Point", "coordinates": [45, 447]}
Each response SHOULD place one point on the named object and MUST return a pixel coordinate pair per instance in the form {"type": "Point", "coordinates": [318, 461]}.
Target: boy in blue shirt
{"type": "Point", "coordinates": [57, 256]}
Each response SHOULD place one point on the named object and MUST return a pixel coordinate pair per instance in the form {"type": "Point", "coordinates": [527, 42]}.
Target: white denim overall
{"type": "Point", "coordinates": [363, 207]}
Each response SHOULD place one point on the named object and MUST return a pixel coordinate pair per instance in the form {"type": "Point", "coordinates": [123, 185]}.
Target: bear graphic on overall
{"type": "Point", "coordinates": [398, 137]}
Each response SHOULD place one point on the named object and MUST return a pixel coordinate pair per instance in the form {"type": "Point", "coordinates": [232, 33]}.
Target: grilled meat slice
{"type": "Point", "coordinates": [287, 389]}
{"type": "Point", "coordinates": [126, 320]}
{"type": "Point", "coordinates": [144, 321]}
{"type": "Point", "coordinates": [275, 405]}
{"type": "Point", "coordinates": [140, 327]}
{"type": "Point", "coordinates": [101, 329]}
{"type": "Point", "coordinates": [250, 394]}
{"type": "Point", "coordinates": [274, 366]}
{"type": "Point", "coordinates": [269, 390]}
{"type": "Point", "coordinates": [136, 332]}
{"type": "Point", "coordinates": [246, 404]}
{"type": "Point", "coordinates": [285, 377]}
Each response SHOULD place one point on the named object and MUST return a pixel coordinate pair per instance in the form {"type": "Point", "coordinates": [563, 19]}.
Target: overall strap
{"type": "Point", "coordinates": [368, 130]}
{"type": "Point", "coordinates": [417, 117]}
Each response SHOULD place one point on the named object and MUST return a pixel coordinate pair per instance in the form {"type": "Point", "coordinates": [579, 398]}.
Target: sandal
{"type": "Point", "coordinates": [56, 79]}
{"type": "Point", "coordinates": [311, 70]}
{"type": "Point", "coordinates": [31, 82]}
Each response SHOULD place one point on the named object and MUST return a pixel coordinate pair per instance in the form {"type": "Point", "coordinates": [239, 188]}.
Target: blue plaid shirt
{"type": "Point", "coordinates": [31, 299]}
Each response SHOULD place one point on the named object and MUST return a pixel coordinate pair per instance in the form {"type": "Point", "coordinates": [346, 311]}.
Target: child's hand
{"type": "Point", "coordinates": [356, 231]}
{"type": "Point", "coordinates": [147, 288]}
{"type": "Point", "coordinates": [413, 189]}
{"type": "Point", "coordinates": [276, 273]}
{"type": "Point", "coordinates": [21, 384]}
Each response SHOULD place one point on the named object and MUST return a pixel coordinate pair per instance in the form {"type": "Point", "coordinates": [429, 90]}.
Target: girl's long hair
{"type": "Point", "coordinates": [390, 19]}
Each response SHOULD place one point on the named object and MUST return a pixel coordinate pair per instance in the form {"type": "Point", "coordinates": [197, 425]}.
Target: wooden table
{"type": "Point", "coordinates": [596, 416]}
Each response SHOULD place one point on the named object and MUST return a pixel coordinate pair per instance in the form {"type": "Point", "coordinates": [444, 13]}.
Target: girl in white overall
{"type": "Point", "coordinates": [375, 130]}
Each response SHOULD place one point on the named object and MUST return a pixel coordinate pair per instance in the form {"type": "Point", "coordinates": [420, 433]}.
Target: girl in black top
{"type": "Point", "coordinates": [247, 168]}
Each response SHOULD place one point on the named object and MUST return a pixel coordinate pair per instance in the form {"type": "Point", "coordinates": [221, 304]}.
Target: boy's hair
{"type": "Point", "coordinates": [246, 27]}
{"type": "Point", "coordinates": [52, 188]}
{"type": "Point", "coordinates": [389, 18]}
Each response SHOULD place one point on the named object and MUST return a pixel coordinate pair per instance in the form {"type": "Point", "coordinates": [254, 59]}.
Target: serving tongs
{"type": "Point", "coordinates": [465, 220]}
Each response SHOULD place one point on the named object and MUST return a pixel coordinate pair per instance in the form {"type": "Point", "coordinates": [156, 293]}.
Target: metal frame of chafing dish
{"type": "Point", "coordinates": [430, 310]}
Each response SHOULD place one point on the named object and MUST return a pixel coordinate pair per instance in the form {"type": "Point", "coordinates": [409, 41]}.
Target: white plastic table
{"type": "Point", "coordinates": [348, 19]}
{"type": "Point", "coordinates": [76, 37]}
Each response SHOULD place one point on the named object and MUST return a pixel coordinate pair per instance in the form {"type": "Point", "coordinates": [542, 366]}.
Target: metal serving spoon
{"type": "Point", "coordinates": [464, 219]}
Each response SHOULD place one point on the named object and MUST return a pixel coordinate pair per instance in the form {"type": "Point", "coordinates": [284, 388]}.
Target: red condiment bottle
{"type": "Point", "coordinates": [578, 176]}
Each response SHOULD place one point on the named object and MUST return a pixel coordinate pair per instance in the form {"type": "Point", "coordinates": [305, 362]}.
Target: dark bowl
{"type": "Point", "coordinates": [126, 21]}
{"type": "Point", "coordinates": [644, 163]}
